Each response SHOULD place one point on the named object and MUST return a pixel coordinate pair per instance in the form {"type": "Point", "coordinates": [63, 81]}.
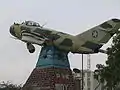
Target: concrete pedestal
{"type": "Point", "coordinates": [52, 71]}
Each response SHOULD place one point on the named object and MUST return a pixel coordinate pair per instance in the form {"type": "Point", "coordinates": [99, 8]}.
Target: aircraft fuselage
{"type": "Point", "coordinates": [42, 36]}
{"type": "Point", "coordinates": [87, 42]}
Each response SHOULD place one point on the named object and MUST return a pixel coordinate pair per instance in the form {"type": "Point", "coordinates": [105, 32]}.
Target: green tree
{"type": "Point", "coordinates": [111, 72]}
{"type": "Point", "coordinates": [9, 86]}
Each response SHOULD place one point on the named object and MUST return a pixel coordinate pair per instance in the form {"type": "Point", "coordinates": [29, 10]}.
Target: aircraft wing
{"type": "Point", "coordinates": [101, 33]}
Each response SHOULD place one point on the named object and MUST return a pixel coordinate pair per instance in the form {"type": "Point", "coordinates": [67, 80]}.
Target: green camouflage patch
{"type": "Point", "coordinates": [106, 25]}
{"type": "Point", "coordinates": [67, 42]}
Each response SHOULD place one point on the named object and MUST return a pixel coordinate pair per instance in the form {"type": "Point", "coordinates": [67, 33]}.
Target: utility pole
{"type": "Point", "coordinates": [88, 72]}
{"type": "Point", "coordinates": [82, 73]}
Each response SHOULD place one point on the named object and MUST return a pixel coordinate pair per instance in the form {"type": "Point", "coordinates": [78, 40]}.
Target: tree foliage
{"type": "Point", "coordinates": [110, 74]}
{"type": "Point", "coordinates": [9, 86]}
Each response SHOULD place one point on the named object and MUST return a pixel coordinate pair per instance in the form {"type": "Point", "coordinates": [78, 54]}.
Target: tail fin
{"type": "Point", "coordinates": [101, 33]}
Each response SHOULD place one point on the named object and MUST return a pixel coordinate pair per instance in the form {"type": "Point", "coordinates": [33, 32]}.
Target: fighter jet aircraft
{"type": "Point", "coordinates": [88, 42]}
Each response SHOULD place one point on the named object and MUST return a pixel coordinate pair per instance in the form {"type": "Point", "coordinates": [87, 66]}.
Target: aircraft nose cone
{"type": "Point", "coordinates": [12, 32]}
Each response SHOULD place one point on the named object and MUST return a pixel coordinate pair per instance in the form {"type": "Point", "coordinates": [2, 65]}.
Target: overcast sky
{"type": "Point", "coordinates": [71, 16]}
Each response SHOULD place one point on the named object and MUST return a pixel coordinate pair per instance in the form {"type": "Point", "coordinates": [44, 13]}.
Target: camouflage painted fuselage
{"type": "Point", "coordinates": [87, 42]}
{"type": "Point", "coordinates": [43, 36]}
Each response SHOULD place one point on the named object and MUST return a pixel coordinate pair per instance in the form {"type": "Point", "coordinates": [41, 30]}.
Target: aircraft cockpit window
{"type": "Point", "coordinates": [36, 24]}
{"type": "Point", "coordinates": [31, 23]}
{"type": "Point", "coordinates": [28, 23]}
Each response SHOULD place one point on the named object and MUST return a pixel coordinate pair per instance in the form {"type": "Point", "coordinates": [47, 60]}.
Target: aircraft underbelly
{"type": "Point", "coordinates": [84, 50]}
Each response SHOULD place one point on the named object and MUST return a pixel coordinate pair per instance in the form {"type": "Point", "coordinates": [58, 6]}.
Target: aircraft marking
{"type": "Point", "coordinates": [32, 33]}
{"type": "Point", "coordinates": [39, 39]}
{"type": "Point", "coordinates": [95, 33]}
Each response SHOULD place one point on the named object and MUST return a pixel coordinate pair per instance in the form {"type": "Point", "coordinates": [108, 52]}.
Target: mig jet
{"type": "Point", "coordinates": [88, 42]}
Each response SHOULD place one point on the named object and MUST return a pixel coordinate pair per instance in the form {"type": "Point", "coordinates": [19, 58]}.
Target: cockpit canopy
{"type": "Point", "coordinates": [31, 23]}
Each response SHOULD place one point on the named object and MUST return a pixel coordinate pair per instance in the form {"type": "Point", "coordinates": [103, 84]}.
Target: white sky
{"type": "Point", "coordinates": [71, 16]}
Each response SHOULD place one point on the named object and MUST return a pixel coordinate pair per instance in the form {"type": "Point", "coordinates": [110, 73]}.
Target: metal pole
{"type": "Point", "coordinates": [82, 73]}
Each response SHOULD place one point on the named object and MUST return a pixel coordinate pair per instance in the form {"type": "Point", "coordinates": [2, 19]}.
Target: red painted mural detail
{"type": "Point", "coordinates": [50, 79]}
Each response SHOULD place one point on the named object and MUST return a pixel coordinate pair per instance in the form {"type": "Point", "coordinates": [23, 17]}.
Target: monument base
{"type": "Point", "coordinates": [50, 79]}
{"type": "Point", "coordinates": [52, 71]}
